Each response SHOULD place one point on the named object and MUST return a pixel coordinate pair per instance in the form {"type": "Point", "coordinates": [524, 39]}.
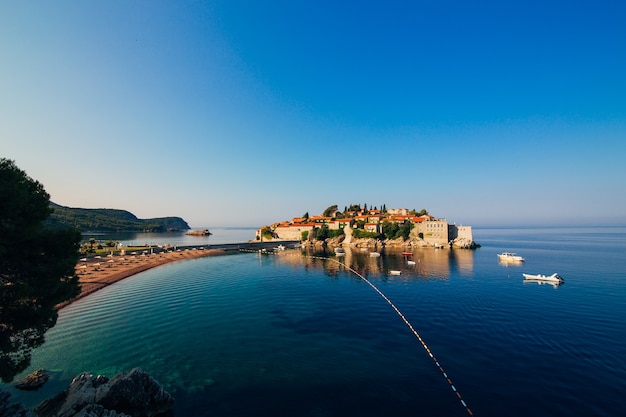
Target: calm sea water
{"type": "Point", "coordinates": [180, 238]}
{"type": "Point", "coordinates": [289, 335]}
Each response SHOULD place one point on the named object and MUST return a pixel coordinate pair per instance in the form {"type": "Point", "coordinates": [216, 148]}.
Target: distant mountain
{"type": "Point", "coordinates": [109, 220]}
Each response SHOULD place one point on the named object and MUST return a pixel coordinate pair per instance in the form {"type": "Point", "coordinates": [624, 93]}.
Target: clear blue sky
{"type": "Point", "coordinates": [242, 113]}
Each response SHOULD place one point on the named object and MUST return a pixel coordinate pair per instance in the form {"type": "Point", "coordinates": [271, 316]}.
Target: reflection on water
{"type": "Point", "coordinates": [179, 238]}
{"type": "Point", "coordinates": [22, 329]}
{"type": "Point", "coordinates": [422, 263]}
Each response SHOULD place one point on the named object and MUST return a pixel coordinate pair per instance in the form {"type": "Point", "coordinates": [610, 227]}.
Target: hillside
{"type": "Point", "coordinates": [109, 220]}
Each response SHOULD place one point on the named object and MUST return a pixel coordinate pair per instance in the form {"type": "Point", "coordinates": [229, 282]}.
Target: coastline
{"type": "Point", "coordinates": [97, 273]}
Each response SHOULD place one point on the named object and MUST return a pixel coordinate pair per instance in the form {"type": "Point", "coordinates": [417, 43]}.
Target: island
{"type": "Point", "coordinates": [359, 226]}
{"type": "Point", "coordinates": [204, 232]}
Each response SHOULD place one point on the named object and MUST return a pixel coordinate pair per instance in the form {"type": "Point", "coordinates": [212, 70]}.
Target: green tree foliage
{"type": "Point", "coordinates": [36, 267]}
{"type": "Point", "coordinates": [324, 233]}
{"type": "Point", "coordinates": [393, 230]}
{"type": "Point", "coordinates": [364, 234]}
{"type": "Point", "coordinates": [306, 216]}
{"type": "Point", "coordinates": [109, 220]}
{"type": "Point", "coordinates": [304, 235]}
{"type": "Point", "coordinates": [267, 233]}
{"type": "Point", "coordinates": [330, 211]}
{"type": "Point", "coordinates": [422, 212]}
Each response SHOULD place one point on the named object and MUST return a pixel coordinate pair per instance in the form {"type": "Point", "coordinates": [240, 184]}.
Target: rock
{"type": "Point", "coordinates": [96, 410]}
{"type": "Point", "coordinates": [134, 394]}
{"type": "Point", "coordinates": [463, 243]}
{"type": "Point", "coordinates": [33, 381]}
{"type": "Point", "coordinates": [204, 232]}
{"type": "Point", "coordinates": [12, 410]}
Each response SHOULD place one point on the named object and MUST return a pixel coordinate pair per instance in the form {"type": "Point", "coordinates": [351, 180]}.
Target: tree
{"type": "Point", "coordinates": [306, 215]}
{"type": "Point", "coordinates": [36, 267]}
{"type": "Point", "coordinates": [330, 211]}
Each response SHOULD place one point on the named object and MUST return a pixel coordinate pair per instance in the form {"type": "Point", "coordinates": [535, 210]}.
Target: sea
{"type": "Point", "coordinates": [301, 333]}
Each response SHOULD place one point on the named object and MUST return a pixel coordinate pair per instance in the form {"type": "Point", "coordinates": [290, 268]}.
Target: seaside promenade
{"type": "Point", "coordinates": [97, 272]}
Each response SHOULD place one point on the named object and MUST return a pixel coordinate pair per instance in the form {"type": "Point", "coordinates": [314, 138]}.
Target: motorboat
{"type": "Point", "coordinates": [509, 257]}
{"type": "Point", "coordinates": [374, 254]}
{"type": "Point", "coordinates": [410, 263]}
{"type": "Point", "coordinates": [395, 272]}
{"type": "Point", "coordinates": [554, 278]}
{"type": "Point", "coordinates": [280, 247]}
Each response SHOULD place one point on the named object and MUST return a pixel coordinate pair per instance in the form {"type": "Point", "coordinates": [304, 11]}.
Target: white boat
{"type": "Point", "coordinates": [374, 254]}
{"type": "Point", "coordinates": [410, 263]}
{"type": "Point", "coordinates": [509, 257]}
{"type": "Point", "coordinates": [554, 278]}
{"type": "Point", "coordinates": [339, 250]}
{"type": "Point", "coordinates": [280, 247]}
{"type": "Point", "coordinates": [395, 272]}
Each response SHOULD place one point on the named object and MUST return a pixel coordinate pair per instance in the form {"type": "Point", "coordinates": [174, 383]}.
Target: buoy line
{"type": "Point", "coordinates": [413, 330]}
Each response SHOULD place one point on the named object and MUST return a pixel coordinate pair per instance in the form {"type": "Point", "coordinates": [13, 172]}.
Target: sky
{"type": "Point", "coordinates": [244, 113]}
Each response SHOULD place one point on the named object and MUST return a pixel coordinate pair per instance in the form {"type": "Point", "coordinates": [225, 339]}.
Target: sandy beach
{"type": "Point", "coordinates": [95, 273]}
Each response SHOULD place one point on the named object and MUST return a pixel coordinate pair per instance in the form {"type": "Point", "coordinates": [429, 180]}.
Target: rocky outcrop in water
{"type": "Point", "coordinates": [462, 243]}
{"type": "Point", "coordinates": [33, 381]}
{"type": "Point", "coordinates": [134, 394]}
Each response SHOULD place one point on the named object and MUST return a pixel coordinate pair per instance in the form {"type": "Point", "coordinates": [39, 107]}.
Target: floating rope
{"type": "Point", "coordinates": [413, 330]}
{"type": "Point", "coordinates": [410, 326]}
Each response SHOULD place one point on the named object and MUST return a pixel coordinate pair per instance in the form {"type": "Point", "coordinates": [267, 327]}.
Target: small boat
{"type": "Point", "coordinates": [509, 257]}
{"type": "Point", "coordinates": [410, 263]}
{"type": "Point", "coordinates": [280, 247]}
{"type": "Point", "coordinates": [394, 272]}
{"type": "Point", "coordinates": [374, 254]}
{"type": "Point", "coordinates": [554, 278]}
{"type": "Point", "coordinates": [407, 254]}
{"type": "Point", "coordinates": [339, 250]}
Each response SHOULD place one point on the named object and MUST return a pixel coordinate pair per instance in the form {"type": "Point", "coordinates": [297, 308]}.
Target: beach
{"type": "Point", "coordinates": [97, 272]}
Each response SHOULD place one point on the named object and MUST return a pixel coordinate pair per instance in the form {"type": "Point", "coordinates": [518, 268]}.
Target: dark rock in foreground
{"type": "Point", "coordinates": [12, 410]}
{"type": "Point", "coordinates": [134, 394]}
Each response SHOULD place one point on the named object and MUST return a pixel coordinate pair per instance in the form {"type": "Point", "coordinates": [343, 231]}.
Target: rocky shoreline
{"type": "Point", "coordinates": [132, 394]}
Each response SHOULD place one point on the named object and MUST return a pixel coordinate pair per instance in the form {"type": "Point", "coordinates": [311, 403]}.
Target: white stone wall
{"type": "Point", "coordinates": [292, 233]}
{"type": "Point", "coordinates": [435, 231]}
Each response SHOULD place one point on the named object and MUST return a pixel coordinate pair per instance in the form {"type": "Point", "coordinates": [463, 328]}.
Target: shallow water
{"type": "Point", "coordinates": [290, 335]}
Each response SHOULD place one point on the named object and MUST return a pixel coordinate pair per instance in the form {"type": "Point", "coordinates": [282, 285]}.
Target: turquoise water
{"type": "Point", "coordinates": [288, 335]}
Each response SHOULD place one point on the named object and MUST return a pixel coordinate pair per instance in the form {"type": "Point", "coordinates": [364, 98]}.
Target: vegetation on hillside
{"type": "Point", "coordinates": [110, 220]}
